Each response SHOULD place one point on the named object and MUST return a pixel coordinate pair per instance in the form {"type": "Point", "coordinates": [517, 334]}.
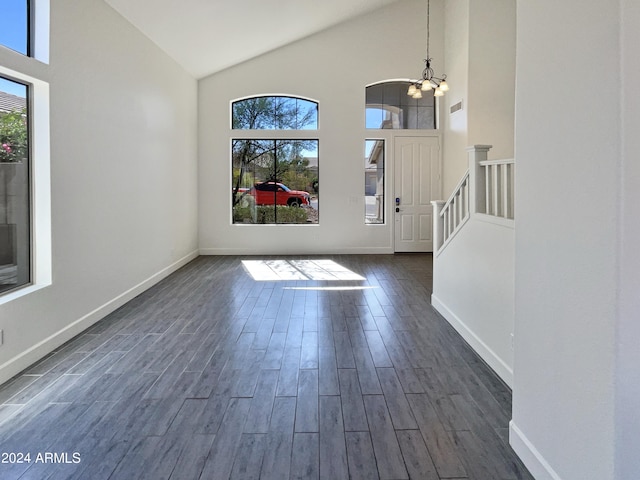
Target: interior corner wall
{"type": "Point", "coordinates": [628, 334]}
{"type": "Point", "coordinates": [123, 119]}
{"type": "Point", "coordinates": [455, 125]}
{"type": "Point", "coordinates": [332, 67]}
{"type": "Point", "coordinates": [492, 75]}
{"type": "Point", "coordinates": [480, 56]}
{"type": "Point", "coordinates": [567, 244]}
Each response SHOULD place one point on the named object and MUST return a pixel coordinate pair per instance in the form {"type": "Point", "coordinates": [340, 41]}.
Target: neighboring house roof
{"type": "Point", "coordinates": [313, 162]}
{"type": "Point", "coordinates": [11, 103]}
{"type": "Point", "coordinates": [376, 153]}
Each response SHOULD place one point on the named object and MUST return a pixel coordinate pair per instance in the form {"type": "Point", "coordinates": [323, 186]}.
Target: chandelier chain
{"type": "Point", "coordinates": [428, 13]}
{"type": "Point", "coordinates": [428, 80]}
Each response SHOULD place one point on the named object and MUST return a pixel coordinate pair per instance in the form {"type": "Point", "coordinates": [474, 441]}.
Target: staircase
{"type": "Point", "coordinates": [473, 265]}
{"type": "Point", "coordinates": [485, 189]}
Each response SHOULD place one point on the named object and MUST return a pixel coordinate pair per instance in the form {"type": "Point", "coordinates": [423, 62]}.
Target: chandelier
{"type": "Point", "coordinates": [428, 81]}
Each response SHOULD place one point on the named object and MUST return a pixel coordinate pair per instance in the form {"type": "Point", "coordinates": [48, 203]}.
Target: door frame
{"type": "Point", "coordinates": [391, 153]}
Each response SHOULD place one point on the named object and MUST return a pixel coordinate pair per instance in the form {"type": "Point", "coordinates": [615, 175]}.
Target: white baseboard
{"type": "Point", "coordinates": [298, 251]}
{"type": "Point", "coordinates": [529, 455]}
{"type": "Point", "coordinates": [488, 355]}
{"type": "Point", "coordinates": [18, 363]}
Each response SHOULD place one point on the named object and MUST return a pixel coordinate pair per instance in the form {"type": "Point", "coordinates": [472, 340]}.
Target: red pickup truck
{"type": "Point", "coordinates": [272, 193]}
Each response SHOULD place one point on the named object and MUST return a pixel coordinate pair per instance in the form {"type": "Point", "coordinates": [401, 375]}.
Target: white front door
{"type": "Point", "coordinates": [417, 183]}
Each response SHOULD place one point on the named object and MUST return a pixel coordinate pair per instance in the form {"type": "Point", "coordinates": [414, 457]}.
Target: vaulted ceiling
{"type": "Point", "coordinates": [206, 36]}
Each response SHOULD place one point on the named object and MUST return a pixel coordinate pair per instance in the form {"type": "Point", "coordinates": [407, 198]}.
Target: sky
{"type": "Point", "coordinates": [13, 22]}
{"type": "Point", "coordinates": [13, 35]}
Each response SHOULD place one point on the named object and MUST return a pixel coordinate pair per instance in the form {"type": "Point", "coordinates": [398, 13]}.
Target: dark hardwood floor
{"type": "Point", "coordinates": [214, 375]}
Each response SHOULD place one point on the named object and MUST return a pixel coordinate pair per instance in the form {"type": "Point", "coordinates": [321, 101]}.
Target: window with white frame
{"type": "Point", "coordinates": [24, 149]}
{"type": "Point", "coordinates": [274, 162]}
{"type": "Point", "coordinates": [15, 219]}
{"type": "Point", "coordinates": [389, 107]}
{"type": "Point", "coordinates": [374, 181]}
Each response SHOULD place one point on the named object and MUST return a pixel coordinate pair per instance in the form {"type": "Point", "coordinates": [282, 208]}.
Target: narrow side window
{"type": "Point", "coordinates": [15, 218]}
{"type": "Point", "coordinates": [374, 181]}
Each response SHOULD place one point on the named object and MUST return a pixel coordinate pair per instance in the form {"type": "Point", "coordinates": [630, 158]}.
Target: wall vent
{"type": "Point", "coordinates": [456, 107]}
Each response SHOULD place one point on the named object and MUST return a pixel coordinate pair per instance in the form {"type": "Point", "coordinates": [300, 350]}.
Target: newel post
{"type": "Point", "coordinates": [438, 225]}
{"type": "Point", "coordinates": [477, 181]}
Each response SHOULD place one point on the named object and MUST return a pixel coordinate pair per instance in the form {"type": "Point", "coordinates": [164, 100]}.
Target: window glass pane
{"type": "Point", "coordinates": [274, 113]}
{"type": "Point", "coordinates": [375, 94]}
{"type": "Point", "coordinates": [375, 117]}
{"type": "Point", "coordinates": [307, 115]}
{"type": "Point", "coordinates": [389, 106]}
{"type": "Point", "coordinates": [394, 93]}
{"type": "Point", "coordinates": [374, 181]}
{"type": "Point", "coordinates": [285, 113]}
{"type": "Point", "coordinates": [253, 114]}
{"type": "Point", "coordinates": [426, 118]}
{"type": "Point", "coordinates": [15, 240]}
{"type": "Point", "coordinates": [14, 32]}
{"type": "Point", "coordinates": [275, 181]}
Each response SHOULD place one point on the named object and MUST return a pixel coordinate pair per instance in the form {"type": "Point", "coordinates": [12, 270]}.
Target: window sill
{"type": "Point", "coordinates": [21, 292]}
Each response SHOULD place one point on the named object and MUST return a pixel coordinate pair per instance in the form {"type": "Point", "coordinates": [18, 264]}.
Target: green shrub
{"type": "Point", "coordinates": [13, 137]}
{"type": "Point", "coordinates": [267, 214]}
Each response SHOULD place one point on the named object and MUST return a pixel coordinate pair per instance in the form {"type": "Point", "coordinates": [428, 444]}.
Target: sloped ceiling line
{"type": "Point", "coordinates": [207, 36]}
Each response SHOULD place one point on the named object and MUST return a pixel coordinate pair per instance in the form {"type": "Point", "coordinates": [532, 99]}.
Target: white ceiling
{"type": "Point", "coordinates": [206, 36]}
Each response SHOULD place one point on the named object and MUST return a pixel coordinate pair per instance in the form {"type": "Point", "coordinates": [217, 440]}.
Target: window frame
{"type": "Point", "coordinates": [402, 84]}
{"type": "Point", "coordinates": [383, 207]}
{"type": "Point", "coordinates": [32, 70]}
{"type": "Point", "coordinates": [253, 97]}
{"type": "Point", "coordinates": [29, 213]}
{"type": "Point", "coordinates": [239, 134]}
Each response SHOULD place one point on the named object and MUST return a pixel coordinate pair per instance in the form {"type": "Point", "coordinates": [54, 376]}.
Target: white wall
{"type": "Point", "coordinates": [628, 334]}
{"type": "Point", "coordinates": [492, 75]}
{"type": "Point", "coordinates": [123, 177]}
{"type": "Point", "coordinates": [567, 237]}
{"type": "Point", "coordinates": [332, 68]}
{"type": "Point", "coordinates": [456, 125]}
{"type": "Point", "coordinates": [480, 51]}
{"type": "Point", "coordinates": [473, 289]}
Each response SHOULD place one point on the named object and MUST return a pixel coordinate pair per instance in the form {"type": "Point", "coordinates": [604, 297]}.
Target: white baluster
{"type": "Point", "coordinates": [477, 174]}
{"type": "Point", "coordinates": [438, 225]}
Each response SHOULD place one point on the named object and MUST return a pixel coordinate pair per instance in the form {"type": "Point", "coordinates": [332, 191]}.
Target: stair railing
{"type": "Point", "coordinates": [487, 188]}
{"type": "Point", "coordinates": [452, 214]}
{"type": "Point", "coordinates": [498, 191]}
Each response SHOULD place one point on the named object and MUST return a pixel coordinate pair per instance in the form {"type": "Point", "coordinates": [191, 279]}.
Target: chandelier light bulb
{"type": "Point", "coordinates": [428, 80]}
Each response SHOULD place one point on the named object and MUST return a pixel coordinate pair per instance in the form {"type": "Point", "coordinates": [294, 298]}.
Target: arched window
{"type": "Point", "coordinates": [274, 113]}
{"type": "Point", "coordinates": [274, 169]}
{"type": "Point", "coordinates": [389, 107]}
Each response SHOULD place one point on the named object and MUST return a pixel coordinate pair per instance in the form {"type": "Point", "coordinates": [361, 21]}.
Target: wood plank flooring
{"type": "Point", "coordinates": [212, 374]}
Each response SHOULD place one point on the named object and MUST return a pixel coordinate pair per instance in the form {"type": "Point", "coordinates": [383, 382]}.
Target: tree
{"type": "Point", "coordinates": [273, 113]}
{"type": "Point", "coordinates": [13, 137]}
{"type": "Point", "coordinates": [269, 159]}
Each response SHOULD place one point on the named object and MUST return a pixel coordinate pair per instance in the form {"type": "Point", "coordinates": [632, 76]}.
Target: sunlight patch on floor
{"type": "Point", "coordinates": [287, 270]}
{"type": "Point", "coordinates": [344, 287]}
